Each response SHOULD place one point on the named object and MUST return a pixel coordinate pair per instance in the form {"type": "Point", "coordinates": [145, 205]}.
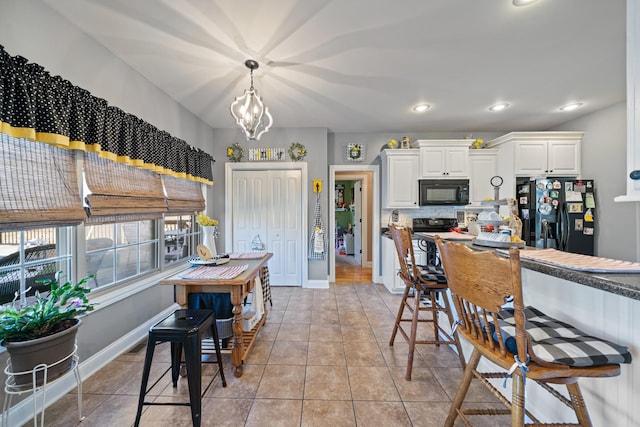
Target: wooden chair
{"type": "Point", "coordinates": [428, 284]}
{"type": "Point", "coordinates": [481, 284]}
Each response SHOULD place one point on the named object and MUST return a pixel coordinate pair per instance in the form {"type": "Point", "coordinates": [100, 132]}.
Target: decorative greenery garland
{"type": "Point", "coordinates": [297, 151]}
{"type": "Point", "coordinates": [235, 152]}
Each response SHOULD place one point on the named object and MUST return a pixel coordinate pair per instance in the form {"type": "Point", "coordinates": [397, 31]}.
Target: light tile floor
{"type": "Point", "coordinates": [322, 359]}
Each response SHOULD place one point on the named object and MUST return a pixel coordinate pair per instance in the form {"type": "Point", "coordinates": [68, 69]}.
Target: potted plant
{"type": "Point", "coordinates": [44, 331]}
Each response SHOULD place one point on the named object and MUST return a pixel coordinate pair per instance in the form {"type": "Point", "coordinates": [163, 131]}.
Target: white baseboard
{"type": "Point", "coordinates": [317, 284]}
{"type": "Point", "coordinates": [22, 412]}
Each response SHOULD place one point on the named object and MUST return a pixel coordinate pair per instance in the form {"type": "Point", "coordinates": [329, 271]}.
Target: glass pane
{"type": "Point", "coordinates": [126, 262]}
{"type": "Point", "coordinates": [23, 267]}
{"type": "Point", "coordinates": [178, 238]}
{"type": "Point", "coordinates": [147, 230]}
{"type": "Point", "coordinates": [148, 257]}
{"type": "Point", "coordinates": [127, 233]}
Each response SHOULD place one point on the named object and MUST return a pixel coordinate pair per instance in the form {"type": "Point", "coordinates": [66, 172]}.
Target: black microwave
{"type": "Point", "coordinates": [444, 192]}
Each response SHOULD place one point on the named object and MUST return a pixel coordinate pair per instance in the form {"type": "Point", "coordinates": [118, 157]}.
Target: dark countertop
{"type": "Point", "coordinates": [623, 284]}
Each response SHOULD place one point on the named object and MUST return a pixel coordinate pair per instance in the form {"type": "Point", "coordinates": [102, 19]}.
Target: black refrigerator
{"type": "Point", "coordinates": [558, 213]}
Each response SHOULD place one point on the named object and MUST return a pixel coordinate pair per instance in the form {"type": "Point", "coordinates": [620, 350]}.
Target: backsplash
{"type": "Point", "coordinates": [406, 215]}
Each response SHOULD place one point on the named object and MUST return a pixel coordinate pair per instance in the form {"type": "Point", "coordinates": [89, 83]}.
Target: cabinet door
{"type": "Point", "coordinates": [390, 266]}
{"type": "Point", "coordinates": [456, 161]}
{"type": "Point", "coordinates": [482, 166]}
{"type": "Point", "coordinates": [563, 158]}
{"type": "Point", "coordinates": [530, 158]}
{"type": "Point", "coordinates": [433, 162]}
{"type": "Point", "coordinates": [401, 180]}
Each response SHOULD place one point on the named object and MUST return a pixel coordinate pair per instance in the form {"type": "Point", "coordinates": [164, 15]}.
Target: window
{"type": "Point", "coordinates": [30, 256]}
{"type": "Point", "coordinates": [180, 238]}
{"type": "Point", "coordinates": [120, 251]}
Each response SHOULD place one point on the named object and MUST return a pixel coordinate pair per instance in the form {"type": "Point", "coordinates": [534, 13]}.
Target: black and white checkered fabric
{"type": "Point", "coordinates": [318, 242]}
{"type": "Point", "coordinates": [266, 285]}
{"type": "Point", "coordinates": [559, 342]}
{"type": "Point", "coordinates": [432, 273]}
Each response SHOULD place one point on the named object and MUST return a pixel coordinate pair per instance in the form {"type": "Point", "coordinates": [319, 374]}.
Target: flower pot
{"type": "Point", "coordinates": [55, 351]}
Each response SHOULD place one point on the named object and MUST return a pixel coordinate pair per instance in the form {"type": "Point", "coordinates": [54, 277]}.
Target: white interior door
{"type": "Point", "coordinates": [267, 204]}
{"type": "Point", "coordinates": [357, 218]}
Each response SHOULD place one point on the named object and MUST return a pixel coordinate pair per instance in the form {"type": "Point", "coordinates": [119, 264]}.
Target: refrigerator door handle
{"type": "Point", "coordinates": [559, 228]}
{"type": "Point", "coordinates": [567, 223]}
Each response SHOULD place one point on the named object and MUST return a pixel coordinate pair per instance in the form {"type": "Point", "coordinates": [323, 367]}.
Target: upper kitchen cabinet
{"type": "Point", "coordinates": [536, 154]}
{"type": "Point", "coordinates": [483, 165]}
{"type": "Point", "coordinates": [540, 153]}
{"type": "Point", "coordinates": [400, 170]}
{"type": "Point", "coordinates": [447, 158]}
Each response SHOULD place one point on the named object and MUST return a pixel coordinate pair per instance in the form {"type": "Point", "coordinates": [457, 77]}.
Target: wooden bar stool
{"type": "Point", "coordinates": [428, 283]}
{"type": "Point", "coordinates": [185, 330]}
{"type": "Point", "coordinates": [521, 340]}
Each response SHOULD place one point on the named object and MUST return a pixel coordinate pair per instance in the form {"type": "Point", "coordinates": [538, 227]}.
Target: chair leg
{"type": "Point", "coordinates": [433, 296]}
{"type": "Point", "coordinates": [577, 401]}
{"type": "Point", "coordinates": [462, 388]}
{"type": "Point", "coordinates": [414, 331]}
{"type": "Point", "coordinates": [176, 356]}
{"type": "Point", "coordinates": [399, 315]}
{"type": "Point", "coordinates": [193, 360]}
{"type": "Point", "coordinates": [216, 344]}
{"type": "Point", "coordinates": [151, 345]}
{"type": "Point", "coordinates": [517, 401]}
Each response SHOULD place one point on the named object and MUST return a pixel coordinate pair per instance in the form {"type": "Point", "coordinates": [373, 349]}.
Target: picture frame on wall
{"type": "Point", "coordinates": [355, 152]}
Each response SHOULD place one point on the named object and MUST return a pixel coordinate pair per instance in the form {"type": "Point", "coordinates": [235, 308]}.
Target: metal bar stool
{"type": "Point", "coordinates": [185, 330]}
{"type": "Point", "coordinates": [429, 285]}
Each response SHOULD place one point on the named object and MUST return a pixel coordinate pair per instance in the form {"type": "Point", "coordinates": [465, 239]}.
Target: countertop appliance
{"type": "Point", "coordinates": [433, 224]}
{"type": "Point", "coordinates": [558, 213]}
{"type": "Point", "coordinates": [443, 192]}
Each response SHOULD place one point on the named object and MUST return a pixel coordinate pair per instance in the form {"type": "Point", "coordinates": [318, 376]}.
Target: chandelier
{"type": "Point", "coordinates": [249, 111]}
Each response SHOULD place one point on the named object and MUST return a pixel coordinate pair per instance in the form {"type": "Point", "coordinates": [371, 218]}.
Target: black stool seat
{"type": "Point", "coordinates": [185, 330]}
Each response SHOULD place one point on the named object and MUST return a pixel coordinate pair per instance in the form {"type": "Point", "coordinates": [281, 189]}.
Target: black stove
{"type": "Point", "coordinates": [433, 224]}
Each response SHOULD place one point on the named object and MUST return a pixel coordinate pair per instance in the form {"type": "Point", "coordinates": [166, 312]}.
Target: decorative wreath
{"type": "Point", "coordinates": [355, 152]}
{"type": "Point", "coordinates": [235, 152]}
{"type": "Point", "coordinates": [297, 151]}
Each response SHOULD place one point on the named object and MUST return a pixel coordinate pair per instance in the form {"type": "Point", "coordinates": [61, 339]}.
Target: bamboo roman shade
{"type": "Point", "coordinates": [183, 196]}
{"type": "Point", "coordinates": [116, 189]}
{"type": "Point", "coordinates": [38, 185]}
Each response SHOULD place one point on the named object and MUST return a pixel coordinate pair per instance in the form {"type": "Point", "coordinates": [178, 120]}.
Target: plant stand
{"type": "Point", "coordinates": [40, 371]}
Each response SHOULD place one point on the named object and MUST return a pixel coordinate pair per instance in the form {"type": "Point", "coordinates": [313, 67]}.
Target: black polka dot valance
{"type": "Point", "coordinates": [49, 109]}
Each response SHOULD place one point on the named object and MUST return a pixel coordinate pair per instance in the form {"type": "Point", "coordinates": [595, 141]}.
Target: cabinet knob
{"type": "Point", "coordinates": [635, 175]}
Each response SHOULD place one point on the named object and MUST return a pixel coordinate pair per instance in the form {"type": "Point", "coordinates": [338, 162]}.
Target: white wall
{"type": "Point", "coordinates": [604, 159]}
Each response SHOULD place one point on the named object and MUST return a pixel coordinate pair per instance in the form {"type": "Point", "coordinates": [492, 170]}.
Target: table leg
{"type": "Point", "coordinates": [237, 343]}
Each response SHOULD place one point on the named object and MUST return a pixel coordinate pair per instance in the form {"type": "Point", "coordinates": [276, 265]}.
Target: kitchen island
{"type": "Point", "coordinates": [602, 304]}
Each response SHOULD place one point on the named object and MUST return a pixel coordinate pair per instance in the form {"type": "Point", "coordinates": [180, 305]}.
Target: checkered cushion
{"type": "Point", "coordinates": [432, 273]}
{"type": "Point", "coordinates": [559, 342]}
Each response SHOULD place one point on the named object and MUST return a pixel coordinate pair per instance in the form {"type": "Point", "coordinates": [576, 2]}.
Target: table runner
{"type": "Point", "coordinates": [580, 262]}
{"type": "Point", "coordinates": [220, 272]}
{"type": "Point", "coordinates": [247, 255]}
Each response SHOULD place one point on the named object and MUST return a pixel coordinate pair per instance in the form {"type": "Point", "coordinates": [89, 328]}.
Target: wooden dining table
{"type": "Point", "coordinates": [239, 287]}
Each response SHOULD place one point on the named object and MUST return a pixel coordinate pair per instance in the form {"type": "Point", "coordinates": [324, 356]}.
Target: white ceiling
{"type": "Point", "coordinates": [361, 65]}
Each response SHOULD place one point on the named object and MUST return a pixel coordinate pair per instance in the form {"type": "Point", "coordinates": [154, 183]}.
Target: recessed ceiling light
{"type": "Point", "coordinates": [571, 107]}
{"type": "Point", "coordinates": [498, 107]}
{"type": "Point", "coordinates": [420, 108]}
{"type": "Point", "coordinates": [522, 2]}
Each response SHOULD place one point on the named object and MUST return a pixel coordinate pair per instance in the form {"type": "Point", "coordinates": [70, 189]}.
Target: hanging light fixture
{"type": "Point", "coordinates": [249, 111]}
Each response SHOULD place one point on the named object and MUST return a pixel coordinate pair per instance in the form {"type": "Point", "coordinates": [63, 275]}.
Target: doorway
{"type": "Point", "coordinates": [354, 223]}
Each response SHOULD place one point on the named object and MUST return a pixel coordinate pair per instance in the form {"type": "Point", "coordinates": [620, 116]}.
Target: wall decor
{"type": "Point", "coordinates": [235, 152]}
{"type": "Point", "coordinates": [266, 154]}
{"type": "Point", "coordinates": [355, 152]}
{"type": "Point", "coordinates": [297, 151]}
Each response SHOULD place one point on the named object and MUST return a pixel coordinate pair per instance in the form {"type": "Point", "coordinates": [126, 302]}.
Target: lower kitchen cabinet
{"type": "Point", "coordinates": [390, 266]}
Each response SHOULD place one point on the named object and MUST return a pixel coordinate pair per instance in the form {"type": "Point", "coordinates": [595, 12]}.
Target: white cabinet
{"type": "Point", "coordinates": [443, 158]}
{"type": "Point", "coordinates": [483, 164]}
{"type": "Point", "coordinates": [536, 153]}
{"type": "Point", "coordinates": [391, 266]}
{"type": "Point", "coordinates": [400, 178]}
{"type": "Point", "coordinates": [550, 157]}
